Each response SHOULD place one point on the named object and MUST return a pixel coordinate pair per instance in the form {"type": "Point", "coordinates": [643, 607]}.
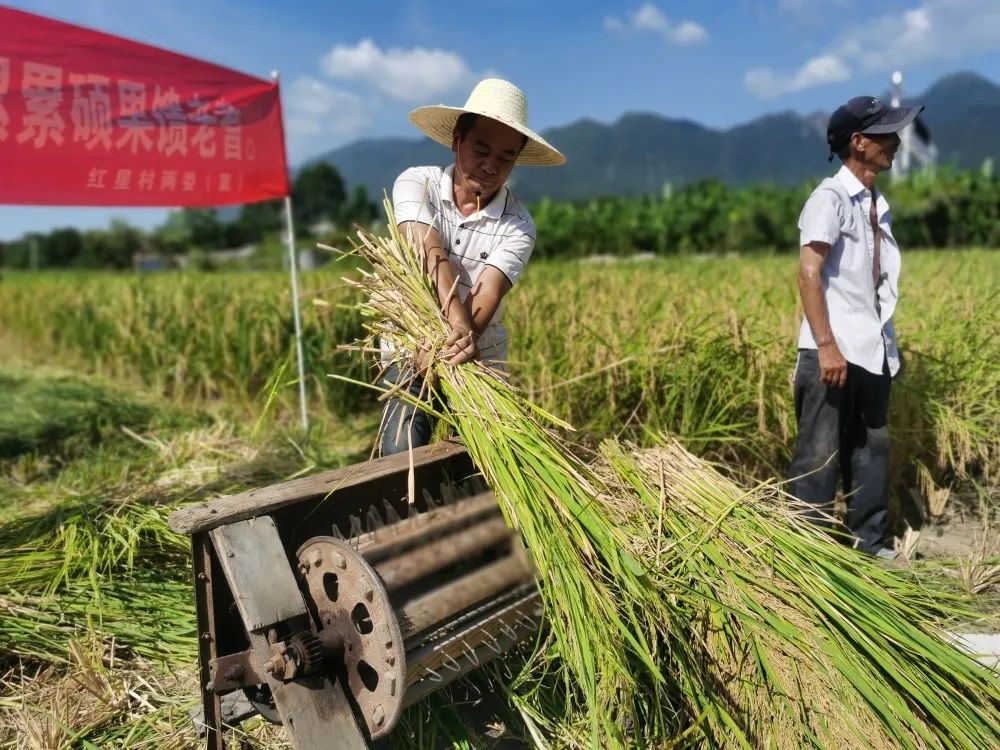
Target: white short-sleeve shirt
{"type": "Point", "coordinates": [501, 234]}
{"type": "Point", "coordinates": [837, 213]}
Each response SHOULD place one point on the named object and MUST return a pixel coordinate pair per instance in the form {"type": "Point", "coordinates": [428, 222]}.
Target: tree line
{"type": "Point", "coordinates": [938, 208]}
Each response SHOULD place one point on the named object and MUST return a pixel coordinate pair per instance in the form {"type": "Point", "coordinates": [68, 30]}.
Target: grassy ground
{"type": "Point", "coordinates": [97, 636]}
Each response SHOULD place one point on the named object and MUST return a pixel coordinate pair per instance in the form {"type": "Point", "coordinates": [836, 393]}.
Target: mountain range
{"type": "Point", "coordinates": [640, 153]}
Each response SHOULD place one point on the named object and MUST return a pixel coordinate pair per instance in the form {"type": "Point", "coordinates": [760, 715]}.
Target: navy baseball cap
{"type": "Point", "coordinates": [868, 115]}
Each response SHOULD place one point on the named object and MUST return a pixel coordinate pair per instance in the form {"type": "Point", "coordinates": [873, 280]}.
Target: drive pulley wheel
{"type": "Point", "coordinates": [350, 601]}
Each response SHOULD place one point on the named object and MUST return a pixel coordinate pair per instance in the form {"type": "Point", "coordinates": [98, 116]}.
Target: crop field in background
{"type": "Point", "coordinates": [122, 397]}
{"type": "Point", "coordinates": [702, 348]}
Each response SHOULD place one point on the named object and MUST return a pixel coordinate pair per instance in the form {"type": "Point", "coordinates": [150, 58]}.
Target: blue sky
{"type": "Point", "coordinates": [353, 69]}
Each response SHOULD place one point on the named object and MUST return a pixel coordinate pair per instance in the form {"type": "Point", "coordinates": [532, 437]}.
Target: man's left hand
{"type": "Point", "coordinates": [461, 346]}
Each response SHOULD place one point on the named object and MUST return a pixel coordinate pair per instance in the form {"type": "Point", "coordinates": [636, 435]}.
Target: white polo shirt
{"type": "Point", "coordinates": [501, 234]}
{"type": "Point", "coordinates": [837, 213]}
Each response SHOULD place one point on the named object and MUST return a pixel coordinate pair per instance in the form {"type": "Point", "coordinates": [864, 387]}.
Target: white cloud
{"type": "Point", "coordinates": [931, 30]}
{"type": "Point", "coordinates": [649, 19]}
{"type": "Point", "coordinates": [765, 83]}
{"type": "Point", "coordinates": [934, 30]}
{"type": "Point", "coordinates": [409, 75]}
{"type": "Point", "coordinates": [313, 107]}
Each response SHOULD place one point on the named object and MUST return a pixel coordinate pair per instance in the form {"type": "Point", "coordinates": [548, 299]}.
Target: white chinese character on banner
{"type": "Point", "coordinates": [147, 178]}
{"type": "Point", "coordinates": [95, 178]}
{"type": "Point", "coordinates": [42, 89]}
{"type": "Point", "coordinates": [229, 118]}
{"type": "Point", "coordinates": [123, 179]}
{"type": "Point", "coordinates": [189, 181]}
{"type": "Point", "coordinates": [4, 88]}
{"type": "Point", "coordinates": [225, 182]}
{"type": "Point", "coordinates": [135, 120]}
{"type": "Point", "coordinates": [168, 112]}
{"type": "Point", "coordinates": [91, 110]}
{"type": "Point", "coordinates": [200, 112]}
{"type": "Point", "coordinates": [168, 179]}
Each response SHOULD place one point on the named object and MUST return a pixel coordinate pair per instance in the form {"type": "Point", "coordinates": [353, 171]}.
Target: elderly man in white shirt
{"type": "Point", "coordinates": [848, 280]}
{"type": "Point", "coordinates": [475, 235]}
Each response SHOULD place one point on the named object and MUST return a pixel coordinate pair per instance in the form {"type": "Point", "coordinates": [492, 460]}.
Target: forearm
{"type": "Point", "coordinates": [481, 308]}
{"type": "Point", "coordinates": [814, 306]}
{"type": "Point", "coordinates": [485, 297]}
{"type": "Point", "coordinates": [442, 273]}
{"type": "Point", "coordinates": [443, 277]}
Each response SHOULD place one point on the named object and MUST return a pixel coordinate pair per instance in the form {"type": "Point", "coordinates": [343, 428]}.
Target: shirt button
{"type": "Point", "coordinates": [484, 256]}
{"type": "Point", "coordinates": [458, 242]}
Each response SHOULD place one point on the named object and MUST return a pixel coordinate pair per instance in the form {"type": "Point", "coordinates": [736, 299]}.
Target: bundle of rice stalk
{"type": "Point", "coordinates": [799, 641]}
{"type": "Point", "coordinates": [689, 611]}
{"type": "Point", "coordinates": [597, 596]}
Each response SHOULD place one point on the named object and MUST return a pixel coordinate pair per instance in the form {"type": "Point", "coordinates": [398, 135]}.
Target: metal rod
{"type": "Point", "coordinates": [521, 615]}
{"type": "Point", "coordinates": [408, 567]}
{"type": "Point", "coordinates": [432, 667]}
{"type": "Point", "coordinates": [439, 604]}
{"type": "Point", "coordinates": [293, 266]}
{"type": "Point", "coordinates": [297, 317]}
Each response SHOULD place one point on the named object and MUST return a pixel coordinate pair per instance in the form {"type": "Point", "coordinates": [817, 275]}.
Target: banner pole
{"type": "Point", "coordinates": [293, 270]}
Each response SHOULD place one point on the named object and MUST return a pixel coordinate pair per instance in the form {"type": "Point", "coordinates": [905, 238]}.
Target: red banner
{"type": "Point", "coordinates": [90, 119]}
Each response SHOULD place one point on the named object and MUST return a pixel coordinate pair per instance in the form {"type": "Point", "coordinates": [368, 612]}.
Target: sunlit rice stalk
{"type": "Point", "coordinates": [146, 613]}
{"type": "Point", "coordinates": [83, 539]}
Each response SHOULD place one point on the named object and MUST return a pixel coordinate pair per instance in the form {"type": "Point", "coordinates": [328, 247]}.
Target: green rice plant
{"type": "Point", "coordinates": [683, 608]}
{"type": "Point", "coordinates": [84, 540]}
{"type": "Point", "coordinates": [187, 336]}
{"type": "Point", "coordinates": [699, 347]}
{"type": "Point", "coordinates": [598, 635]}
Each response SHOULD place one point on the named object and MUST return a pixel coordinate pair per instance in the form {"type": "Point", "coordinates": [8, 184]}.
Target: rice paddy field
{"type": "Point", "coordinates": [125, 397]}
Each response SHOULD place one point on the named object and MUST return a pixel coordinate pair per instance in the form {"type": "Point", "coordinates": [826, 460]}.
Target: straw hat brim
{"type": "Point", "coordinates": [438, 123]}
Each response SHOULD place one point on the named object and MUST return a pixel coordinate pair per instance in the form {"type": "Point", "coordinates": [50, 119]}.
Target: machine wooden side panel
{"type": "Point", "coordinates": [232, 508]}
{"type": "Point", "coordinates": [258, 572]}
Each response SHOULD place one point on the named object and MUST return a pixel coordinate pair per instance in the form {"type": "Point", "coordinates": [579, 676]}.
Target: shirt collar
{"type": "Point", "coordinates": [492, 210]}
{"type": "Point", "coordinates": [855, 188]}
{"type": "Point", "coordinates": [852, 183]}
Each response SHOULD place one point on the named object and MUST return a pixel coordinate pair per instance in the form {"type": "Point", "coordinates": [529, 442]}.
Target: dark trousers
{"type": "Point", "coordinates": [843, 433]}
{"type": "Point", "coordinates": [404, 425]}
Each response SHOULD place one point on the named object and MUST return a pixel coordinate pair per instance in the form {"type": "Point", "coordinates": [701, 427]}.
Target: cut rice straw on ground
{"type": "Point", "coordinates": [686, 610]}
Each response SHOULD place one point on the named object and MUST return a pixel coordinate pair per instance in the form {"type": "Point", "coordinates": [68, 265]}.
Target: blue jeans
{"type": "Point", "coordinates": [843, 435]}
{"type": "Point", "coordinates": [404, 425]}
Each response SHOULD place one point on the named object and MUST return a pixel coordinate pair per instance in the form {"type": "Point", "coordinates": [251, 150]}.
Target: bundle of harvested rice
{"type": "Point", "coordinates": [684, 609]}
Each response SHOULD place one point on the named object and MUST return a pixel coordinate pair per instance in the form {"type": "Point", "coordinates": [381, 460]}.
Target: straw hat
{"type": "Point", "coordinates": [498, 100]}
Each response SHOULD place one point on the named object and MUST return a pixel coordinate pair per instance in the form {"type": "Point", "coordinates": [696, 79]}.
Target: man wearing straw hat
{"type": "Point", "coordinates": [848, 274]}
{"type": "Point", "coordinates": [476, 236]}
